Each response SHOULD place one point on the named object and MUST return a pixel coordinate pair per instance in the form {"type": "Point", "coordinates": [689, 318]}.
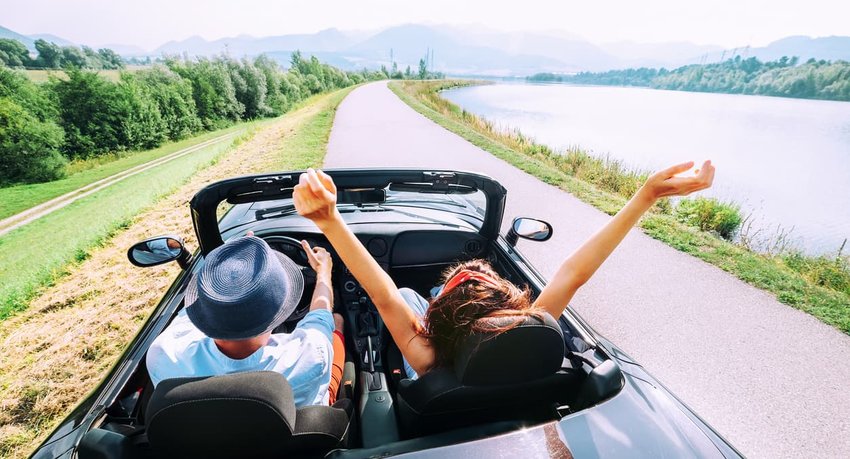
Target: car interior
{"type": "Point", "coordinates": [539, 371]}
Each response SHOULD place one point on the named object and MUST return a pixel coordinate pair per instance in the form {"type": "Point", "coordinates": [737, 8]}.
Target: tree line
{"type": "Point", "coordinates": [785, 77]}
{"type": "Point", "coordinates": [52, 56]}
{"type": "Point", "coordinates": [84, 114]}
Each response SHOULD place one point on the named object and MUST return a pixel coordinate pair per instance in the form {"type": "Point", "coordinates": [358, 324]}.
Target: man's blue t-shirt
{"type": "Point", "coordinates": [304, 356]}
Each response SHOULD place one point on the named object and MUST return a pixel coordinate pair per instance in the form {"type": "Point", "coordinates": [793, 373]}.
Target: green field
{"type": "Point", "coordinates": [103, 315]}
{"type": "Point", "coordinates": [819, 286]}
{"type": "Point", "coordinates": [18, 198]}
{"type": "Point", "coordinates": [34, 254]}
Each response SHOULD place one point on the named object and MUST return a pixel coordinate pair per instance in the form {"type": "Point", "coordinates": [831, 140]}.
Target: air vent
{"type": "Point", "coordinates": [377, 247]}
{"type": "Point", "coordinates": [472, 247]}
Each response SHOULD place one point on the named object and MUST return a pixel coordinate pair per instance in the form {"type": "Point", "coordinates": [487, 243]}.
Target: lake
{"type": "Point", "coordinates": [785, 161]}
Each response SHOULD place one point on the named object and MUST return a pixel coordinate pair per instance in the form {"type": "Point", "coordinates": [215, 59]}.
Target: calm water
{"type": "Point", "coordinates": [786, 161]}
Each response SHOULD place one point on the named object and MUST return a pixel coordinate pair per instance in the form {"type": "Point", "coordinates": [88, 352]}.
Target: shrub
{"type": "Point", "coordinates": [709, 214]}
{"type": "Point", "coordinates": [832, 273]}
{"type": "Point", "coordinates": [173, 96]}
{"type": "Point", "coordinates": [90, 109]}
{"type": "Point", "coordinates": [29, 148]}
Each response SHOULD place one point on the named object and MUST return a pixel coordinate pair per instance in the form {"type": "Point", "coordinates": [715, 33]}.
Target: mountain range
{"type": "Point", "coordinates": [471, 50]}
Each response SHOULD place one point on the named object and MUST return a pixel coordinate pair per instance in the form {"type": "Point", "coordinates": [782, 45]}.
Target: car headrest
{"type": "Point", "coordinates": [532, 349]}
{"type": "Point", "coordinates": [219, 415]}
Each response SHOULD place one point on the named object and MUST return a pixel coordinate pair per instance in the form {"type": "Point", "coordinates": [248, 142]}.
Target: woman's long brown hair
{"type": "Point", "coordinates": [454, 316]}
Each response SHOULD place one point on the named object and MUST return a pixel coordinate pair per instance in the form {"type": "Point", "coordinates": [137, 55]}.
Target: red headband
{"type": "Point", "coordinates": [465, 275]}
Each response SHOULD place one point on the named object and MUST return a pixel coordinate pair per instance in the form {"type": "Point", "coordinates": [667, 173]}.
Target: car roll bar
{"type": "Point", "coordinates": [269, 187]}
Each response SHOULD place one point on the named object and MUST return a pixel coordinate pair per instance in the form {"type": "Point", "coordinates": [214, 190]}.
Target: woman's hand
{"type": "Point", "coordinates": [666, 183]}
{"type": "Point", "coordinates": [319, 258]}
{"type": "Point", "coordinates": [315, 196]}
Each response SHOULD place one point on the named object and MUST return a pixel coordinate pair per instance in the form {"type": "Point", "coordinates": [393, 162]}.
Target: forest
{"type": "Point", "coordinates": [785, 77]}
{"type": "Point", "coordinates": [80, 114]}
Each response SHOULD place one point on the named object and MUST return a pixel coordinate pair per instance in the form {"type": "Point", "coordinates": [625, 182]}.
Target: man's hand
{"type": "Point", "coordinates": [320, 260]}
{"type": "Point", "coordinates": [315, 197]}
{"type": "Point", "coordinates": [666, 183]}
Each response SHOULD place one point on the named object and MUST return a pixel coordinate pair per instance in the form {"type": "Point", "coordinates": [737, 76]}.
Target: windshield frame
{"type": "Point", "coordinates": [276, 187]}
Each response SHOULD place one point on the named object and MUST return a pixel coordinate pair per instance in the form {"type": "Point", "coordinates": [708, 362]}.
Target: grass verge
{"type": "Point", "coordinates": [819, 286]}
{"type": "Point", "coordinates": [73, 330]}
{"type": "Point", "coordinates": [15, 199]}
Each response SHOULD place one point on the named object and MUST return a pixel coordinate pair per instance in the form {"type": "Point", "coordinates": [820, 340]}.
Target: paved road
{"type": "Point", "coordinates": [771, 379]}
{"type": "Point", "coordinates": [33, 213]}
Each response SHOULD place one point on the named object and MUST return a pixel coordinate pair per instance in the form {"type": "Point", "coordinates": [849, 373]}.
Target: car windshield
{"type": "Point", "coordinates": [468, 205]}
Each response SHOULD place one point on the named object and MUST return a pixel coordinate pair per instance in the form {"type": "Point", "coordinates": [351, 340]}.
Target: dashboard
{"type": "Point", "coordinates": [405, 255]}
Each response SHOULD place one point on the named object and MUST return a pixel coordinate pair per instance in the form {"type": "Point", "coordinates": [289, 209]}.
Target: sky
{"type": "Point", "coordinates": [150, 23]}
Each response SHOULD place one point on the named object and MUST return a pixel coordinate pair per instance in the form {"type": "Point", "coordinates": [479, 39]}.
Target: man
{"type": "Point", "coordinates": [244, 290]}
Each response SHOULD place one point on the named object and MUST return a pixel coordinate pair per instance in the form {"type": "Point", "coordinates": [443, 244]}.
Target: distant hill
{"type": "Point", "coordinates": [52, 38]}
{"type": "Point", "coordinates": [828, 48]}
{"type": "Point", "coordinates": [27, 41]}
{"type": "Point", "coordinates": [475, 50]}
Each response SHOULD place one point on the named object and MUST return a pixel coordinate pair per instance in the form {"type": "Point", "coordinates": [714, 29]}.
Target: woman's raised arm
{"type": "Point", "coordinates": [315, 198]}
{"type": "Point", "coordinates": [580, 266]}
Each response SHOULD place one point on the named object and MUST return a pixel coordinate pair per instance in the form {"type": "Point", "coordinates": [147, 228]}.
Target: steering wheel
{"type": "Point", "coordinates": [292, 249]}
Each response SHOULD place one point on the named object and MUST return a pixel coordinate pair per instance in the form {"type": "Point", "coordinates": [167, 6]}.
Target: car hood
{"type": "Point", "coordinates": [643, 420]}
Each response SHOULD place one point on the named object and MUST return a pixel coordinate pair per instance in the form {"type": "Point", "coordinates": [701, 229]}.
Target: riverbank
{"type": "Point", "coordinates": [784, 77]}
{"type": "Point", "coordinates": [817, 285]}
{"type": "Point", "coordinates": [73, 331]}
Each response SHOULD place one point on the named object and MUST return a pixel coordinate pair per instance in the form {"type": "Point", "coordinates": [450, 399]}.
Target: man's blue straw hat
{"type": "Point", "coordinates": [243, 290]}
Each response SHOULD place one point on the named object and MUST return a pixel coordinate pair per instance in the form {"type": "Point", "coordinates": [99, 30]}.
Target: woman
{"type": "Point", "coordinates": [428, 334]}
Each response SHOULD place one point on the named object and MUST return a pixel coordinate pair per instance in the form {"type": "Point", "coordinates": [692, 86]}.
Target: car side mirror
{"type": "Point", "coordinates": [529, 228]}
{"type": "Point", "coordinates": [158, 250]}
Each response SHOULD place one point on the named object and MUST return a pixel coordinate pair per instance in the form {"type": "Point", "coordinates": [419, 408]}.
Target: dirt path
{"type": "Point", "coordinates": [55, 352]}
{"type": "Point", "coordinates": [770, 378]}
{"type": "Point", "coordinates": [16, 221]}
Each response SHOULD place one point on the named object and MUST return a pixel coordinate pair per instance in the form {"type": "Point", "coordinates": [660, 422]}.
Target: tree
{"type": "Point", "coordinates": [423, 69]}
{"type": "Point", "coordinates": [29, 148]}
{"type": "Point", "coordinates": [13, 53]}
{"type": "Point", "coordinates": [91, 111]}
{"type": "Point", "coordinates": [110, 60]}
{"type": "Point", "coordinates": [74, 57]}
{"type": "Point", "coordinates": [49, 54]}
{"type": "Point", "coordinates": [173, 96]}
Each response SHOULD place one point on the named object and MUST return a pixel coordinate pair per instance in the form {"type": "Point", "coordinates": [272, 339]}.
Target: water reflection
{"type": "Point", "coordinates": [787, 161]}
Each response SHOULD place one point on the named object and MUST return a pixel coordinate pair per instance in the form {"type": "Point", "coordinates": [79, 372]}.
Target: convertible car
{"type": "Point", "coordinates": [546, 388]}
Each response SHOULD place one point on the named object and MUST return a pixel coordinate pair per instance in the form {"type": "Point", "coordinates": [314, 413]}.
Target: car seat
{"type": "Point", "coordinates": [518, 374]}
{"type": "Point", "coordinates": [250, 414]}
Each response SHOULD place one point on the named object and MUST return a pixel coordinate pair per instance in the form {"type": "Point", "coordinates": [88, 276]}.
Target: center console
{"type": "Point", "coordinates": [365, 327]}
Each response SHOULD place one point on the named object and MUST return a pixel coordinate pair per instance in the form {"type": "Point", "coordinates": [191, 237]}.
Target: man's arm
{"type": "Point", "coordinates": [321, 262]}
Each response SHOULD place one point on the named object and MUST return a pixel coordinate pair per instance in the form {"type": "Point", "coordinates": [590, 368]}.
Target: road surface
{"type": "Point", "coordinates": [771, 379]}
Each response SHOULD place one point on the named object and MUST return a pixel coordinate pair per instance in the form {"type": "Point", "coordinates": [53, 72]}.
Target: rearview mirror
{"type": "Point", "coordinates": [159, 250]}
{"type": "Point", "coordinates": [529, 228]}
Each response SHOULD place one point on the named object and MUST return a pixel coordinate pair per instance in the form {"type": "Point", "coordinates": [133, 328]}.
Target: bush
{"type": "Point", "coordinates": [91, 111]}
{"type": "Point", "coordinates": [832, 273]}
{"type": "Point", "coordinates": [29, 148]}
{"type": "Point", "coordinates": [709, 214]}
{"type": "Point", "coordinates": [173, 97]}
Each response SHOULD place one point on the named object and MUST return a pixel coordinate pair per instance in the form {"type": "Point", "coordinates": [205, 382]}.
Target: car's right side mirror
{"type": "Point", "coordinates": [159, 250]}
{"type": "Point", "coordinates": [529, 228]}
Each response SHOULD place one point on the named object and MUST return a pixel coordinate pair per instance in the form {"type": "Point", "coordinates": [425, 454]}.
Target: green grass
{"type": "Point", "coordinates": [34, 255]}
{"type": "Point", "coordinates": [97, 218]}
{"type": "Point", "coordinates": [307, 146]}
{"type": "Point", "coordinates": [18, 198]}
{"type": "Point", "coordinates": [819, 286]}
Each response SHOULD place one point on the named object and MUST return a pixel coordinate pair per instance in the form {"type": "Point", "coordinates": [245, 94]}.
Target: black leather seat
{"type": "Point", "coordinates": [520, 374]}
{"type": "Point", "coordinates": [241, 415]}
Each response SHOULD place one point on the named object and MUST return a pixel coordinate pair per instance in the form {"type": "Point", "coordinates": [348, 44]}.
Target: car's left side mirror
{"type": "Point", "coordinates": [158, 250]}
{"type": "Point", "coordinates": [529, 228]}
